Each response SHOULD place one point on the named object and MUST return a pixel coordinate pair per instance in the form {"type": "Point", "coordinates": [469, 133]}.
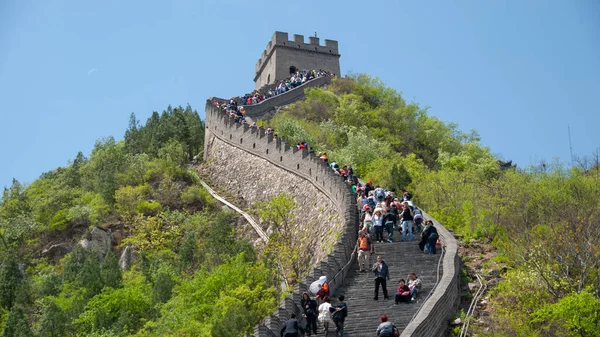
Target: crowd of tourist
{"type": "Point", "coordinates": [296, 79]}
{"type": "Point", "coordinates": [380, 211]}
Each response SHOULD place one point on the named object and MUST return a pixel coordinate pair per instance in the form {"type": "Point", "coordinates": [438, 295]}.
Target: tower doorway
{"type": "Point", "coordinates": [293, 70]}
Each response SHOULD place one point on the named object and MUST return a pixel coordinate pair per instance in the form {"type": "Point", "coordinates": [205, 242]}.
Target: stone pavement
{"type": "Point", "coordinates": [363, 311]}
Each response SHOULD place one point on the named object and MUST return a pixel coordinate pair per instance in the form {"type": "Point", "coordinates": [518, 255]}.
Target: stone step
{"type": "Point", "coordinates": [358, 288]}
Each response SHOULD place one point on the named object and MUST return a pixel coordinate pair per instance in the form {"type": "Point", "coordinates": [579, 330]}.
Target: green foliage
{"type": "Point", "coordinates": [281, 250]}
{"type": "Point", "coordinates": [14, 201]}
{"type": "Point", "coordinates": [577, 314]}
{"type": "Point", "coordinates": [10, 279]}
{"type": "Point", "coordinates": [360, 149]}
{"type": "Point", "coordinates": [182, 125]}
{"type": "Point", "coordinates": [110, 272]}
{"type": "Point", "coordinates": [174, 155]}
{"type": "Point", "coordinates": [162, 285]}
{"type": "Point", "coordinates": [153, 233]}
{"type": "Point", "coordinates": [277, 211]}
{"type": "Point", "coordinates": [123, 309]}
{"type": "Point", "coordinates": [108, 158]}
{"type": "Point", "coordinates": [292, 130]}
{"type": "Point", "coordinates": [16, 324]}
{"type": "Point", "coordinates": [82, 269]}
{"type": "Point", "coordinates": [54, 321]}
{"type": "Point", "coordinates": [197, 197]}
{"type": "Point", "coordinates": [129, 198]}
{"type": "Point", "coordinates": [226, 302]}
{"type": "Point", "coordinates": [15, 231]}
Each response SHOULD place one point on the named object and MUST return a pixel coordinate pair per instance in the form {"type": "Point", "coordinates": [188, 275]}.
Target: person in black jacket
{"type": "Point", "coordinates": [291, 327]}
{"type": "Point", "coordinates": [339, 313]}
{"type": "Point", "coordinates": [430, 236]}
{"type": "Point", "coordinates": [382, 275]}
{"type": "Point", "coordinates": [310, 312]}
{"type": "Point", "coordinates": [389, 219]}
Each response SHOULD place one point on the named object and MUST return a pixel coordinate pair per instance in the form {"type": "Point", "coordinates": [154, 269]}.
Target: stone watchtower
{"type": "Point", "coordinates": [283, 57]}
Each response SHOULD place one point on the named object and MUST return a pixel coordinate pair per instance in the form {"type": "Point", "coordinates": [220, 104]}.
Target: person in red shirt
{"type": "Point", "coordinates": [403, 293]}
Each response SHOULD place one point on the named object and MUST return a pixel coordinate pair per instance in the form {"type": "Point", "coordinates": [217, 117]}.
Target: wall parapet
{"type": "Point", "coordinates": [309, 167]}
{"type": "Point", "coordinates": [432, 318]}
{"type": "Point", "coordinates": [280, 40]}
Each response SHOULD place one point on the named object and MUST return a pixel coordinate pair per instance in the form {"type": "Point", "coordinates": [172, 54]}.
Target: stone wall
{"type": "Point", "coordinates": [257, 167]}
{"type": "Point", "coordinates": [432, 319]}
{"type": "Point", "coordinates": [252, 179]}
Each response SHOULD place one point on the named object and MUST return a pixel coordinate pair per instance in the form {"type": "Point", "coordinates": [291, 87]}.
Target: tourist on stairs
{"type": "Point", "coordinates": [402, 293]}
{"type": "Point", "coordinates": [407, 222]}
{"type": "Point", "coordinates": [378, 224]}
{"type": "Point", "coordinates": [364, 248]}
{"type": "Point", "coordinates": [386, 328]}
{"type": "Point", "coordinates": [382, 275]}
{"type": "Point", "coordinates": [310, 312]}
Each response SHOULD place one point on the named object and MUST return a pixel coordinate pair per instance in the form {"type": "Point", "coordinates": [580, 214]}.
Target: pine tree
{"type": "Point", "coordinates": [16, 324]}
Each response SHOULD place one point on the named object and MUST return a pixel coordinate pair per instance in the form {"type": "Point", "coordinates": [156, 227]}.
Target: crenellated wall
{"type": "Point", "coordinates": [265, 158]}
{"type": "Point", "coordinates": [249, 149]}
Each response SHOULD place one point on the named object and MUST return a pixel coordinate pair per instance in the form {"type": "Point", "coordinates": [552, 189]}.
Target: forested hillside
{"type": "Point", "coordinates": [193, 275]}
{"type": "Point", "coordinates": [190, 275]}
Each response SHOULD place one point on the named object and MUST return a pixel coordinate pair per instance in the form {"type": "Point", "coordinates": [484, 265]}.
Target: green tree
{"type": "Point", "coordinates": [278, 212]}
{"type": "Point", "coordinates": [54, 321]}
{"type": "Point", "coordinates": [14, 201]}
{"type": "Point", "coordinates": [162, 286]}
{"type": "Point", "coordinates": [120, 309]}
{"type": "Point", "coordinates": [108, 158]}
{"type": "Point", "coordinates": [227, 301]}
{"type": "Point", "coordinates": [577, 314]}
{"type": "Point", "coordinates": [110, 271]}
{"type": "Point", "coordinates": [16, 324]}
{"type": "Point", "coordinates": [10, 279]}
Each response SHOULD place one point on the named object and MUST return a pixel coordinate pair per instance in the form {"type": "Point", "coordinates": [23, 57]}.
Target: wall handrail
{"type": "Point", "coordinates": [350, 260]}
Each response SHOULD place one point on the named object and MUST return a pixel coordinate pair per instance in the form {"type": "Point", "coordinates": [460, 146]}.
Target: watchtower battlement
{"type": "Point", "coordinates": [283, 56]}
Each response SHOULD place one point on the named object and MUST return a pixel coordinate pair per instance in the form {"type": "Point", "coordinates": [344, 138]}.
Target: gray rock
{"type": "Point", "coordinates": [57, 249]}
{"type": "Point", "coordinates": [85, 243]}
{"type": "Point", "coordinates": [473, 287]}
{"type": "Point", "coordinates": [101, 241]}
{"type": "Point", "coordinates": [117, 236]}
{"type": "Point", "coordinates": [457, 321]}
{"type": "Point", "coordinates": [126, 258]}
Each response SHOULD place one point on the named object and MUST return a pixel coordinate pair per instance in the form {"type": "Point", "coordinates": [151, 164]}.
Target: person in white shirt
{"type": "Point", "coordinates": [325, 313]}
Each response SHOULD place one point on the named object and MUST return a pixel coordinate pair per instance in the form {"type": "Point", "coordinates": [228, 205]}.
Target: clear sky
{"type": "Point", "coordinates": [518, 72]}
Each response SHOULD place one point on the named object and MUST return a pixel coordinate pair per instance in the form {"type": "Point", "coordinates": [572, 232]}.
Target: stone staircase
{"type": "Point", "coordinates": [364, 312]}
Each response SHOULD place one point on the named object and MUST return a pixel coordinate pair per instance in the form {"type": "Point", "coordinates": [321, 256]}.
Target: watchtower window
{"type": "Point", "coordinates": [293, 70]}
{"type": "Point", "coordinates": [269, 78]}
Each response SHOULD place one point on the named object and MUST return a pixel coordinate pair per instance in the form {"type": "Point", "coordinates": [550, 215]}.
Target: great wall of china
{"type": "Point", "coordinates": [225, 138]}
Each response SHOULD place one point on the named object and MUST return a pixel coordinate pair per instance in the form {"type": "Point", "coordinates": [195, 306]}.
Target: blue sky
{"type": "Point", "coordinates": [518, 72]}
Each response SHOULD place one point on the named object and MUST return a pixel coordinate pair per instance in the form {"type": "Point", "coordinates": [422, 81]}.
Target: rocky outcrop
{"type": "Point", "coordinates": [56, 251]}
{"type": "Point", "coordinates": [126, 258]}
{"type": "Point", "coordinates": [100, 241]}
